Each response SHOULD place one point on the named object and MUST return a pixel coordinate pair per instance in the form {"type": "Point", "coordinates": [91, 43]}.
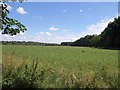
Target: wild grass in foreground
{"type": "Point", "coordinates": [23, 72]}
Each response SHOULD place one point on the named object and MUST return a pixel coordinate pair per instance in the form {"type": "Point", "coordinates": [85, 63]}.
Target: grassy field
{"type": "Point", "coordinates": [59, 67]}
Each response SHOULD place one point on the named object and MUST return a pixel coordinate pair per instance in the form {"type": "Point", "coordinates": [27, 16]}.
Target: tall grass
{"type": "Point", "coordinates": [20, 72]}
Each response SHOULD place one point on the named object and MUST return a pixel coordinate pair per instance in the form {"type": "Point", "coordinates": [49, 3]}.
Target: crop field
{"type": "Point", "coordinates": [59, 67]}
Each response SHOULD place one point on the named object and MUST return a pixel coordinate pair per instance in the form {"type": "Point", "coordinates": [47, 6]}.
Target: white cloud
{"type": "Point", "coordinates": [21, 10]}
{"type": "Point", "coordinates": [102, 20]}
{"type": "Point", "coordinates": [9, 8]}
{"type": "Point", "coordinates": [98, 27]}
{"type": "Point", "coordinates": [64, 38]}
{"type": "Point", "coordinates": [19, 37]}
{"type": "Point", "coordinates": [22, 33]}
{"type": "Point", "coordinates": [45, 33]}
{"type": "Point", "coordinates": [53, 28]}
{"type": "Point", "coordinates": [41, 37]}
{"type": "Point", "coordinates": [81, 10]}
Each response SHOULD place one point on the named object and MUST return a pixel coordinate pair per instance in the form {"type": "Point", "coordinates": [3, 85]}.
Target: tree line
{"type": "Point", "coordinates": [109, 38]}
{"type": "Point", "coordinates": [28, 43]}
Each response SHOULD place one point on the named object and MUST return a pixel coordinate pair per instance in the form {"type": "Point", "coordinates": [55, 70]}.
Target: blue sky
{"type": "Point", "coordinates": [58, 22]}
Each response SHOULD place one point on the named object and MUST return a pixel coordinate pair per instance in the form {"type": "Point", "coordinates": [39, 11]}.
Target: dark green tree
{"type": "Point", "coordinates": [8, 25]}
{"type": "Point", "coordinates": [109, 38]}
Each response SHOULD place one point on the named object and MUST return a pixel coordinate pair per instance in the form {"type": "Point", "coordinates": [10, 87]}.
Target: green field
{"type": "Point", "coordinates": [64, 67]}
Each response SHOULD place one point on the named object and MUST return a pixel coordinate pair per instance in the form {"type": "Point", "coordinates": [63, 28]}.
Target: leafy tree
{"type": "Point", "coordinates": [95, 40]}
{"type": "Point", "coordinates": [66, 43]}
{"type": "Point", "coordinates": [8, 25]}
{"type": "Point", "coordinates": [109, 38]}
{"type": "Point", "coordinates": [88, 40]}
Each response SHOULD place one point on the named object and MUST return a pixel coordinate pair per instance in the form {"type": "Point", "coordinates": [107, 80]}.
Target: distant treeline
{"type": "Point", "coordinates": [109, 38]}
{"type": "Point", "coordinates": [28, 43]}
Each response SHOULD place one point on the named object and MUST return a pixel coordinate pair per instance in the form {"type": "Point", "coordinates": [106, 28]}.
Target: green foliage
{"type": "Point", "coordinates": [22, 75]}
{"type": "Point", "coordinates": [28, 43]}
{"type": "Point", "coordinates": [66, 43]}
{"type": "Point", "coordinates": [89, 40]}
{"type": "Point", "coordinates": [109, 38]}
{"type": "Point", "coordinates": [59, 67]}
{"type": "Point", "coordinates": [9, 25]}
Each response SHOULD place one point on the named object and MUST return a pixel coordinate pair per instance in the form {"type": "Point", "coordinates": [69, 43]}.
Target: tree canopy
{"type": "Point", "coordinates": [8, 25]}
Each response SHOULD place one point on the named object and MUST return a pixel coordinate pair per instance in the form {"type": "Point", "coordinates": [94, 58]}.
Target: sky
{"type": "Point", "coordinates": [56, 22]}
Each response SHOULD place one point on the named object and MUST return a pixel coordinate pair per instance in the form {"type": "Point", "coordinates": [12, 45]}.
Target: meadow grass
{"type": "Point", "coordinates": [59, 67]}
